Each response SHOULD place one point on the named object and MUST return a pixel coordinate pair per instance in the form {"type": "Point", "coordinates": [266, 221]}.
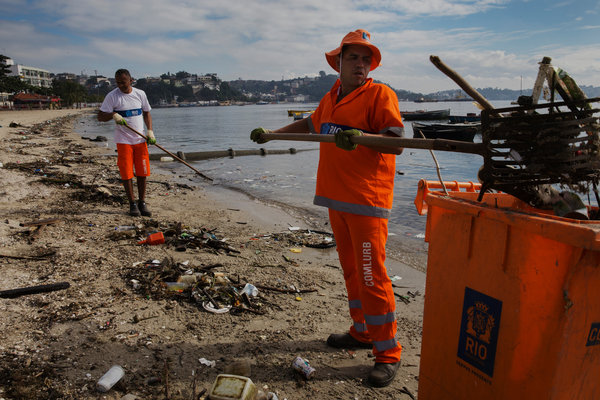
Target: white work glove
{"type": "Point", "coordinates": [150, 139]}
{"type": "Point", "coordinates": [119, 119]}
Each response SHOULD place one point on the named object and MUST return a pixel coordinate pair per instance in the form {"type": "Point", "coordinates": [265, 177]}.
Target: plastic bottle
{"type": "Point", "coordinates": [122, 228]}
{"type": "Point", "coordinates": [108, 380]}
{"type": "Point", "coordinates": [153, 239]}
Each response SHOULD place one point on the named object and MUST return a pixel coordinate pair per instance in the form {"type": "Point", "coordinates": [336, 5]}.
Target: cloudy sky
{"type": "Point", "coordinates": [491, 43]}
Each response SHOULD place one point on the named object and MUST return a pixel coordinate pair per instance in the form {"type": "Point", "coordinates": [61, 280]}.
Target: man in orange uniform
{"type": "Point", "coordinates": [356, 184]}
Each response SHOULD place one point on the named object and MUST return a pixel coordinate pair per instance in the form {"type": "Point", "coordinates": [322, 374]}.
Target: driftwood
{"type": "Point", "coordinates": [34, 257]}
{"type": "Point", "coordinates": [40, 222]}
{"type": "Point", "coordinates": [12, 293]}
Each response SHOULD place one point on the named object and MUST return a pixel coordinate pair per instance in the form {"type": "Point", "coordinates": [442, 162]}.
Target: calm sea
{"type": "Point", "coordinates": [290, 178]}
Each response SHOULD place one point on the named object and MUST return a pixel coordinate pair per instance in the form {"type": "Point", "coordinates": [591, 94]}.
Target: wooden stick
{"type": "Point", "coordinates": [425, 144]}
{"type": "Point", "coordinates": [462, 83]}
{"type": "Point", "coordinates": [172, 155]}
{"type": "Point", "coordinates": [41, 222]}
{"type": "Point", "coordinates": [12, 293]}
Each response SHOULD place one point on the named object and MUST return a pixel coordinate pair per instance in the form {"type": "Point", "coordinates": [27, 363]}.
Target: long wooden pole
{"type": "Point", "coordinates": [460, 81]}
{"type": "Point", "coordinates": [387, 141]}
{"type": "Point", "coordinates": [172, 155]}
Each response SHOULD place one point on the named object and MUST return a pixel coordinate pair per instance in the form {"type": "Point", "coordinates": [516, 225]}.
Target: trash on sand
{"type": "Point", "coordinates": [395, 278]}
{"type": "Point", "coordinates": [208, 306]}
{"type": "Point", "coordinates": [153, 239]}
{"type": "Point", "coordinates": [209, 363]}
{"type": "Point", "coordinates": [303, 367]}
{"type": "Point", "coordinates": [232, 387]}
{"type": "Point", "coordinates": [108, 380]}
{"type": "Point", "coordinates": [296, 250]}
{"type": "Point", "coordinates": [176, 286]}
{"type": "Point", "coordinates": [250, 290]}
{"type": "Point", "coordinates": [305, 237]}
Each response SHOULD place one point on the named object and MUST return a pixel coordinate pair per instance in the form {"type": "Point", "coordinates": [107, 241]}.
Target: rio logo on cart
{"type": "Point", "coordinates": [593, 338]}
{"type": "Point", "coordinates": [479, 330]}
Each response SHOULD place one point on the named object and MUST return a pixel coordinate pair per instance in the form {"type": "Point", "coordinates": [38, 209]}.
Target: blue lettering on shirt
{"type": "Point", "coordinates": [129, 113]}
{"type": "Point", "coordinates": [328, 128]}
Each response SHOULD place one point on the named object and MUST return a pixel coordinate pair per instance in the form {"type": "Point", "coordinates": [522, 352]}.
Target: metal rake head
{"type": "Point", "coordinates": [526, 147]}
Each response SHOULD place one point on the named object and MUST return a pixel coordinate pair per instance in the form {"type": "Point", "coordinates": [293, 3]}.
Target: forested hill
{"type": "Point", "coordinates": [315, 87]}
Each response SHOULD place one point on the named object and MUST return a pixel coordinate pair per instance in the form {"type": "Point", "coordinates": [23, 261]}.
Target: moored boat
{"type": "Point", "coordinates": [292, 113]}
{"type": "Point", "coordinates": [425, 115]}
{"type": "Point", "coordinates": [302, 114]}
{"type": "Point", "coordinates": [464, 132]}
{"type": "Point", "coordinates": [470, 117]}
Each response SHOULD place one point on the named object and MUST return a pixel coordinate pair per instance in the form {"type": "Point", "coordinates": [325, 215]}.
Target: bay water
{"type": "Point", "coordinates": [290, 178]}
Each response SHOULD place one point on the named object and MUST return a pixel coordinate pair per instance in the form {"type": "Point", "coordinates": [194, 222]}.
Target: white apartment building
{"type": "Point", "coordinates": [31, 75]}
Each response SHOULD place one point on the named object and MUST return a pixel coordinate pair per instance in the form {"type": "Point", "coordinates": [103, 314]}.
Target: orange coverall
{"type": "Point", "coordinates": [357, 187]}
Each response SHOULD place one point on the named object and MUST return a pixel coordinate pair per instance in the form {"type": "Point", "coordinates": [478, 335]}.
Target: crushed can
{"type": "Point", "coordinates": [303, 367]}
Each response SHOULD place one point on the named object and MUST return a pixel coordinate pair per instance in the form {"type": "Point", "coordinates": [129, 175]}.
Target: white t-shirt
{"type": "Point", "coordinates": [130, 106]}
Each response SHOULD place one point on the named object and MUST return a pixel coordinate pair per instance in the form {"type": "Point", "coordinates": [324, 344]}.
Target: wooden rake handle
{"type": "Point", "coordinates": [386, 141]}
{"type": "Point", "coordinates": [172, 155]}
{"type": "Point", "coordinates": [464, 85]}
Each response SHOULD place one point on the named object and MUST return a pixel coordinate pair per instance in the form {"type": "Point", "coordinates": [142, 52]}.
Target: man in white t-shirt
{"type": "Point", "coordinates": [129, 106]}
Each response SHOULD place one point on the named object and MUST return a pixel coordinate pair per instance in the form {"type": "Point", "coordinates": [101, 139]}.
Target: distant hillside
{"type": "Point", "coordinates": [500, 94]}
{"type": "Point", "coordinates": [314, 88]}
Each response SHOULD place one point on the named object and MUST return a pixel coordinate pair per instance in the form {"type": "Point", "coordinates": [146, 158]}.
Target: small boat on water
{"type": "Point", "coordinates": [301, 114]}
{"type": "Point", "coordinates": [292, 113]}
{"type": "Point", "coordinates": [424, 115]}
{"type": "Point", "coordinates": [470, 117]}
{"type": "Point", "coordinates": [464, 132]}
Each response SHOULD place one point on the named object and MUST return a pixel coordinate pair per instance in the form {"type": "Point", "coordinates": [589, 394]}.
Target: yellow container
{"type": "Point", "coordinates": [232, 387]}
{"type": "Point", "coordinates": [511, 305]}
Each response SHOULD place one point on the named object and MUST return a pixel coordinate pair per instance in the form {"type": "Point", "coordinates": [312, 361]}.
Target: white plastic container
{"type": "Point", "coordinates": [166, 159]}
{"type": "Point", "coordinates": [232, 387]}
{"type": "Point", "coordinates": [108, 380]}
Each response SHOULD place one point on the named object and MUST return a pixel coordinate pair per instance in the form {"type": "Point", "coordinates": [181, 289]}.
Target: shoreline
{"type": "Point", "coordinates": [409, 251]}
{"type": "Point", "coordinates": [69, 338]}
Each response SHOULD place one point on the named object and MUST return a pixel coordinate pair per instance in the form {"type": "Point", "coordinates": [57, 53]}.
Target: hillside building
{"type": "Point", "coordinates": [30, 75]}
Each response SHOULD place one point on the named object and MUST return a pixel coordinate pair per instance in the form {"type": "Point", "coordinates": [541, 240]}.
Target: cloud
{"type": "Point", "coordinates": [435, 7]}
{"type": "Point", "coordinates": [269, 39]}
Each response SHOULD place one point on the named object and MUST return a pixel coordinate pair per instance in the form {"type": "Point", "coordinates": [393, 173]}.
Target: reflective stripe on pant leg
{"type": "Point", "coordinates": [369, 236]}
{"type": "Point", "coordinates": [346, 256]}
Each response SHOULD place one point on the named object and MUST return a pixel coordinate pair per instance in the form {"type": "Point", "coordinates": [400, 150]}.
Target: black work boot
{"type": "Point", "coordinates": [133, 209]}
{"type": "Point", "coordinates": [383, 374]}
{"type": "Point", "coordinates": [143, 209]}
{"type": "Point", "coordinates": [346, 341]}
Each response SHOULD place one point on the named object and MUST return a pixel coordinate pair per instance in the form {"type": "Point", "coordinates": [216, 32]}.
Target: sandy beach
{"type": "Point", "coordinates": [61, 202]}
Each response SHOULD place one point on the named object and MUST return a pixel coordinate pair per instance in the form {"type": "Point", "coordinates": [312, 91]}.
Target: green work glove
{"type": "Point", "coordinates": [150, 139]}
{"type": "Point", "coordinates": [119, 119]}
{"type": "Point", "coordinates": [256, 135]}
{"type": "Point", "coordinates": [342, 139]}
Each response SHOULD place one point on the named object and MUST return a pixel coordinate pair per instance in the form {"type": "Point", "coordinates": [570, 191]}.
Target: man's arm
{"type": "Point", "coordinates": [385, 149]}
{"type": "Point", "coordinates": [147, 119]}
{"type": "Point", "coordinates": [104, 116]}
{"type": "Point", "coordinates": [300, 126]}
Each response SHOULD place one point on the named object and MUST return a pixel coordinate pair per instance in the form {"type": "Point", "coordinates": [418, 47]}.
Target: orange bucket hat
{"type": "Point", "coordinates": [359, 37]}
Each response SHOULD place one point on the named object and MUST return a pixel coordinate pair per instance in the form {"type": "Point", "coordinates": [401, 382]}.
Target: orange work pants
{"type": "Point", "coordinates": [360, 242]}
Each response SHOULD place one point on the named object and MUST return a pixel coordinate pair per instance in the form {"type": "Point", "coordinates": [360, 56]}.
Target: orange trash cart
{"type": "Point", "coordinates": [512, 304]}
